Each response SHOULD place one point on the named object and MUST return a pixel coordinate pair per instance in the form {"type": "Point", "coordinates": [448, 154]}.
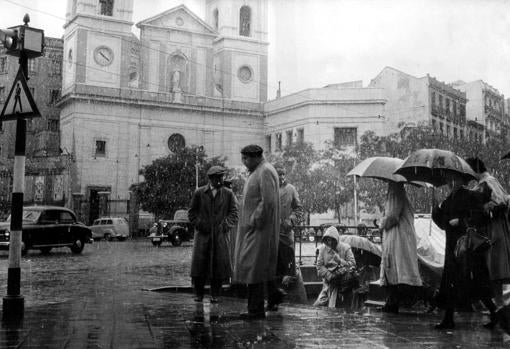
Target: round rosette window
{"type": "Point", "coordinates": [176, 142]}
{"type": "Point", "coordinates": [245, 74]}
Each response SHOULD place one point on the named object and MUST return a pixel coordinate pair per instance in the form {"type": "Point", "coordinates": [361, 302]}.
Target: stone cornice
{"type": "Point", "coordinates": [323, 102]}
{"type": "Point", "coordinates": [179, 29]}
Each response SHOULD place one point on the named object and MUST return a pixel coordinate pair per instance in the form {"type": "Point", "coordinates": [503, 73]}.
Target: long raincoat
{"type": "Point", "coordinates": [498, 228]}
{"type": "Point", "coordinates": [212, 217]}
{"type": "Point", "coordinates": [399, 260]}
{"type": "Point", "coordinates": [256, 249]}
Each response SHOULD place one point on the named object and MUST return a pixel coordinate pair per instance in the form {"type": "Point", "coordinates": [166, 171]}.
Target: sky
{"type": "Point", "coordinates": [318, 42]}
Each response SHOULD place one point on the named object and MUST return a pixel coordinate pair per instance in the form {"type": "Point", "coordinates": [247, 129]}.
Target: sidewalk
{"type": "Point", "coordinates": [145, 319]}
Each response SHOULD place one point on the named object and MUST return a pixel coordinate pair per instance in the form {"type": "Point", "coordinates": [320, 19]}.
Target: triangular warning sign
{"type": "Point", "coordinates": [20, 102]}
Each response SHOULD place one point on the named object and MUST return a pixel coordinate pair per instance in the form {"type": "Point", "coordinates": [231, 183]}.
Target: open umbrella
{"type": "Point", "coordinates": [361, 243]}
{"type": "Point", "coordinates": [434, 166]}
{"type": "Point", "coordinates": [365, 251]}
{"type": "Point", "coordinates": [379, 167]}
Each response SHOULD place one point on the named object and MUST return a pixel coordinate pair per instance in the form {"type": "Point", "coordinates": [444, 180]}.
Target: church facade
{"type": "Point", "coordinates": [127, 101]}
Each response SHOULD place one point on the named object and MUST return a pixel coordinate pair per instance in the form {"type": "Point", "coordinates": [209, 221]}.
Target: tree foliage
{"type": "Point", "coordinates": [319, 177]}
{"type": "Point", "coordinates": [169, 182]}
{"type": "Point", "coordinates": [297, 159]}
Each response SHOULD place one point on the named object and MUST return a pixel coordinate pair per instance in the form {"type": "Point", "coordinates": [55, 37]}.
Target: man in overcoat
{"type": "Point", "coordinates": [213, 212]}
{"type": "Point", "coordinates": [256, 249]}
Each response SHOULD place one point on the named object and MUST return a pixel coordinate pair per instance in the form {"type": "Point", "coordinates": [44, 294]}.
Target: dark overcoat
{"type": "Point", "coordinates": [212, 217]}
{"type": "Point", "coordinates": [256, 249]}
{"type": "Point", "coordinates": [458, 287]}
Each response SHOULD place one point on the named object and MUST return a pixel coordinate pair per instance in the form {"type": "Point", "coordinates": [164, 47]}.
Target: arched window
{"type": "Point", "coordinates": [216, 19]}
{"type": "Point", "coordinates": [106, 7]}
{"type": "Point", "coordinates": [176, 142]}
{"type": "Point", "coordinates": [245, 21]}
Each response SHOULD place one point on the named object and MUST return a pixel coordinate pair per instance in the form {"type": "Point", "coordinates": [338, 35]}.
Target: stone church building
{"type": "Point", "coordinates": [127, 101]}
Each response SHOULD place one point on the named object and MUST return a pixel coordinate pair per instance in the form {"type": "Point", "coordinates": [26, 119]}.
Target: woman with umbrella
{"type": "Point", "coordinates": [462, 280]}
{"type": "Point", "coordinates": [399, 262]}
{"type": "Point", "coordinates": [399, 259]}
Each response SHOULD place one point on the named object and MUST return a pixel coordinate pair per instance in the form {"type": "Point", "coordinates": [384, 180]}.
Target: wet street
{"type": "Point", "coordinates": [103, 268]}
{"type": "Point", "coordinates": [99, 299]}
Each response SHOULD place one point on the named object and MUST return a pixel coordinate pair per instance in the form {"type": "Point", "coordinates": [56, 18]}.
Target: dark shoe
{"type": "Point", "coordinates": [494, 321]}
{"type": "Point", "coordinates": [214, 300]}
{"type": "Point", "coordinates": [252, 316]}
{"type": "Point", "coordinates": [392, 309]}
{"type": "Point", "coordinates": [199, 298]}
{"type": "Point", "coordinates": [445, 325]}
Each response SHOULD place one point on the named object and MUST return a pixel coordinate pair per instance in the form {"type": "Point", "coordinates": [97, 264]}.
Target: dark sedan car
{"type": "Point", "coordinates": [45, 227]}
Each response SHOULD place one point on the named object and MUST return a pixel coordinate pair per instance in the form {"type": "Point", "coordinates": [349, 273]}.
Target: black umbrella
{"type": "Point", "coordinates": [434, 166]}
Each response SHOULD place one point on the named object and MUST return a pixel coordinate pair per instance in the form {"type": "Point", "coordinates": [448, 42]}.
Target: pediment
{"type": "Point", "coordinates": [180, 18]}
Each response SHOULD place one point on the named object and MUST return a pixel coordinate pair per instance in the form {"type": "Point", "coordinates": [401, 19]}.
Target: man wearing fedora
{"type": "Point", "coordinates": [213, 212]}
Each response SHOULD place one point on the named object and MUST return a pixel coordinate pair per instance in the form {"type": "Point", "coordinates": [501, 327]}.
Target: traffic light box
{"type": "Point", "coordinates": [23, 38]}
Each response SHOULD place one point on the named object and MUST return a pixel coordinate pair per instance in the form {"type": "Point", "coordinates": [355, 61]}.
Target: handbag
{"type": "Point", "coordinates": [477, 241]}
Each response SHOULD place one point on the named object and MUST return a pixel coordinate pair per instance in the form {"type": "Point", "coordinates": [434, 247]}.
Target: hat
{"type": "Point", "coordinates": [252, 149]}
{"type": "Point", "coordinates": [216, 171]}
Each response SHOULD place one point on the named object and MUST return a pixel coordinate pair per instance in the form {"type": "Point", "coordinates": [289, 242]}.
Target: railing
{"type": "Point", "coordinates": [310, 233]}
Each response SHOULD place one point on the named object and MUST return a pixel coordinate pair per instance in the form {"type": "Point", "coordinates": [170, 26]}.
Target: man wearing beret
{"type": "Point", "coordinates": [256, 248]}
{"type": "Point", "coordinates": [213, 212]}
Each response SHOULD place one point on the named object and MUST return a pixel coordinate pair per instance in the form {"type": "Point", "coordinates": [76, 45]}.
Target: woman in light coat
{"type": "Point", "coordinates": [334, 257]}
{"type": "Point", "coordinates": [399, 260]}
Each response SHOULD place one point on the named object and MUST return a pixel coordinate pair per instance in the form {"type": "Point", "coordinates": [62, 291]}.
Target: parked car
{"type": "Point", "coordinates": [110, 228]}
{"type": "Point", "coordinates": [45, 227]}
{"type": "Point", "coordinates": [175, 231]}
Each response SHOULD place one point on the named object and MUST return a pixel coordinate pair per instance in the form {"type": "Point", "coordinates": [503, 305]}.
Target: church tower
{"type": "Point", "coordinates": [99, 48]}
{"type": "Point", "coordinates": [240, 61]}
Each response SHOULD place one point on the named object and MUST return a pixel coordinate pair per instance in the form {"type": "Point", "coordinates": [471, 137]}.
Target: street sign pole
{"type": "Point", "coordinates": [30, 42]}
{"type": "Point", "coordinates": [14, 302]}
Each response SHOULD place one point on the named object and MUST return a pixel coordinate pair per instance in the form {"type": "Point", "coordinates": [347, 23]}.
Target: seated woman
{"type": "Point", "coordinates": [334, 261]}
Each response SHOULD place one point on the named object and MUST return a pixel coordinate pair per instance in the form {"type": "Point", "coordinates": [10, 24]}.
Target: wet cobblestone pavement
{"type": "Point", "coordinates": [96, 300]}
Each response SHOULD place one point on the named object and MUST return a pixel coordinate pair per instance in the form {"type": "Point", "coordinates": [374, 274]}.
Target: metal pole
{"type": "Point", "coordinates": [13, 302]}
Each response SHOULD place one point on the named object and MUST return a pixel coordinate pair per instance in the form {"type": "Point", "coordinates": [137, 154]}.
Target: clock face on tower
{"type": "Point", "coordinates": [103, 55]}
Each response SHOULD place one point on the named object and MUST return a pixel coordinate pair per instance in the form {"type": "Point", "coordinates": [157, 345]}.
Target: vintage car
{"type": "Point", "coordinates": [109, 228]}
{"type": "Point", "coordinates": [45, 227]}
{"type": "Point", "coordinates": [175, 231]}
